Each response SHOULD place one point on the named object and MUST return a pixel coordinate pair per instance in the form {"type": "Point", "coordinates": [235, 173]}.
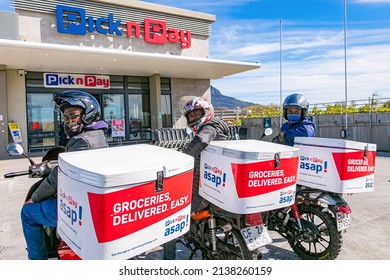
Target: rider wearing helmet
{"type": "Point", "coordinates": [295, 108]}
{"type": "Point", "coordinates": [199, 114]}
{"type": "Point", "coordinates": [200, 118]}
{"type": "Point", "coordinates": [85, 130]}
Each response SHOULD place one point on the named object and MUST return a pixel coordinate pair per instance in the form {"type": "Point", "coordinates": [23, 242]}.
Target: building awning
{"type": "Point", "coordinates": [44, 57]}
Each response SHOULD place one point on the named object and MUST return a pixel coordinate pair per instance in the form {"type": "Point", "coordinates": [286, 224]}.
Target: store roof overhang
{"type": "Point", "coordinates": [44, 57]}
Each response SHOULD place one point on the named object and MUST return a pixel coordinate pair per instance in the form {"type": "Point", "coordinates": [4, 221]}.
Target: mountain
{"type": "Point", "coordinates": [222, 101]}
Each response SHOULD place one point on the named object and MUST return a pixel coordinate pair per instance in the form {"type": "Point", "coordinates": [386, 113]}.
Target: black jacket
{"type": "Point", "coordinates": [89, 139]}
{"type": "Point", "coordinates": [215, 129]}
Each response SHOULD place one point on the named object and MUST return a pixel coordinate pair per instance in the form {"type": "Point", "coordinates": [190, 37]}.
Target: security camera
{"type": "Point", "coordinates": [21, 72]}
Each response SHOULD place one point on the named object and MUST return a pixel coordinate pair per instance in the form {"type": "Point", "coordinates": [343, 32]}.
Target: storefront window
{"type": "Point", "coordinates": [125, 108]}
{"type": "Point", "coordinates": [166, 110]}
{"type": "Point", "coordinates": [138, 83]}
{"type": "Point", "coordinates": [139, 117]}
{"type": "Point", "coordinates": [114, 116]}
{"type": "Point", "coordinates": [40, 121]}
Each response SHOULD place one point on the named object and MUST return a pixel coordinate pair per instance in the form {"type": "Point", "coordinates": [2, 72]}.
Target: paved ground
{"type": "Point", "coordinates": [367, 239]}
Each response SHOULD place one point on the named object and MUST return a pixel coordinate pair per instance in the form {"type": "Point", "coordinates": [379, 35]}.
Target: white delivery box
{"type": "Point", "coordinates": [115, 203]}
{"type": "Point", "coordinates": [336, 165]}
{"type": "Point", "coordinates": [248, 176]}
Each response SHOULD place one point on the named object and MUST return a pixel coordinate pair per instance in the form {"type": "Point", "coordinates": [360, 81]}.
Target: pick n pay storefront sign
{"type": "Point", "coordinates": [72, 20]}
{"type": "Point", "coordinates": [55, 80]}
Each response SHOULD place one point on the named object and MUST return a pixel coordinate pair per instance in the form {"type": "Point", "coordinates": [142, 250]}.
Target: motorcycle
{"type": "Point", "coordinates": [314, 224]}
{"type": "Point", "coordinates": [221, 235]}
{"type": "Point", "coordinates": [57, 249]}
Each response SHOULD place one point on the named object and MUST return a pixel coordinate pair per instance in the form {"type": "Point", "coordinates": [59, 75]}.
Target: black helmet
{"type": "Point", "coordinates": [80, 99]}
{"type": "Point", "coordinates": [296, 100]}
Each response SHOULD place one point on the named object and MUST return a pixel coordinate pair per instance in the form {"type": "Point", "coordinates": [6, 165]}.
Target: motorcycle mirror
{"type": "Point", "coordinates": [267, 132]}
{"type": "Point", "coordinates": [15, 149]}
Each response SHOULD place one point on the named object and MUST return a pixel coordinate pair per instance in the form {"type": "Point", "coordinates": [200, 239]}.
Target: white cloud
{"type": "Point", "coordinates": [371, 1]}
{"type": "Point", "coordinates": [312, 60]}
{"type": "Point", "coordinates": [321, 79]}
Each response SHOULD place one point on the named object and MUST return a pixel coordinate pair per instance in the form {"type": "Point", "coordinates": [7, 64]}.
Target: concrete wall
{"type": "Point", "coordinates": [362, 127]}
{"type": "Point", "coordinates": [9, 25]}
{"type": "Point", "coordinates": [3, 111]}
{"type": "Point", "coordinates": [12, 107]}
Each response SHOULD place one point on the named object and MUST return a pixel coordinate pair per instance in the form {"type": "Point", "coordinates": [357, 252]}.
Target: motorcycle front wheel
{"type": "Point", "coordinates": [320, 239]}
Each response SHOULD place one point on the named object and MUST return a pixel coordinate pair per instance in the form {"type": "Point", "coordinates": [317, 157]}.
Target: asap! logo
{"type": "Point", "coordinates": [70, 208]}
{"type": "Point", "coordinates": [286, 196]}
{"type": "Point", "coordinates": [215, 175]}
{"type": "Point", "coordinates": [369, 183]}
{"type": "Point", "coordinates": [176, 225]}
{"type": "Point", "coordinates": [313, 164]}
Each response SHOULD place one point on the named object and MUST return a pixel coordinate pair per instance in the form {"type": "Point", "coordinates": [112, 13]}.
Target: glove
{"type": "Point", "coordinates": [279, 138]}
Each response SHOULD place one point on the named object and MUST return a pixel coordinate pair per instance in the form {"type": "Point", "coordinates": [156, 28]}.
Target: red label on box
{"type": "Point", "coordinates": [253, 179]}
{"type": "Point", "coordinates": [354, 165]}
{"type": "Point", "coordinates": [124, 212]}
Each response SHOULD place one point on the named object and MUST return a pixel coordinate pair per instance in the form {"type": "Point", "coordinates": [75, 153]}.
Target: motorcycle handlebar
{"type": "Point", "coordinates": [40, 170]}
{"type": "Point", "coordinates": [15, 174]}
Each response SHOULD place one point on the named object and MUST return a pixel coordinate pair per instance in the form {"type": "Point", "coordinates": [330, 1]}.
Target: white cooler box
{"type": "Point", "coordinates": [248, 176]}
{"type": "Point", "coordinates": [336, 165]}
{"type": "Point", "coordinates": [116, 203]}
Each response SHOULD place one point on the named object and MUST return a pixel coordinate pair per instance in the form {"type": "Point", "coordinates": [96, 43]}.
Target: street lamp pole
{"type": "Point", "coordinates": [345, 69]}
{"type": "Point", "coordinates": [280, 72]}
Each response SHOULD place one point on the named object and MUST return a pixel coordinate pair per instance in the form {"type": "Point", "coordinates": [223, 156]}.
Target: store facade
{"type": "Point", "coordinates": [138, 59]}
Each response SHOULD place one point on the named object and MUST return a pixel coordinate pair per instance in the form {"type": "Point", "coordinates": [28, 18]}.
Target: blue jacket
{"type": "Point", "coordinates": [303, 128]}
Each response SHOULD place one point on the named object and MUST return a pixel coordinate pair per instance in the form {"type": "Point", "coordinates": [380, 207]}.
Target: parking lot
{"type": "Point", "coordinates": [367, 238]}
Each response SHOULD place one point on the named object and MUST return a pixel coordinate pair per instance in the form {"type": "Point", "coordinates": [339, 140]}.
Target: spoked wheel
{"type": "Point", "coordinates": [320, 239]}
{"type": "Point", "coordinates": [231, 246]}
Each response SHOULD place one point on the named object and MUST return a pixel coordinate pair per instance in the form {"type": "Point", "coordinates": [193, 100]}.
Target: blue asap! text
{"type": "Point", "coordinates": [176, 224]}
{"type": "Point", "coordinates": [214, 175]}
{"type": "Point", "coordinates": [70, 208]}
{"type": "Point", "coordinates": [314, 164]}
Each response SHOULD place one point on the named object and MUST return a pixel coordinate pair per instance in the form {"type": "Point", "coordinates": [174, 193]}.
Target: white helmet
{"type": "Point", "coordinates": [198, 103]}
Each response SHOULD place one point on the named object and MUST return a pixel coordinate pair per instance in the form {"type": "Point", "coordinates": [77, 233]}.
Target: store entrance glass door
{"type": "Point", "coordinates": [42, 123]}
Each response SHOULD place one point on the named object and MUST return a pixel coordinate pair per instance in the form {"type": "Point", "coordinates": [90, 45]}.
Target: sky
{"type": "Point", "coordinates": [300, 46]}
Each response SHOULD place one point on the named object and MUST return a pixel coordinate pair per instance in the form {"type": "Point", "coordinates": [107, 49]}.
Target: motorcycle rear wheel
{"type": "Point", "coordinates": [233, 241]}
{"type": "Point", "coordinates": [320, 240]}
